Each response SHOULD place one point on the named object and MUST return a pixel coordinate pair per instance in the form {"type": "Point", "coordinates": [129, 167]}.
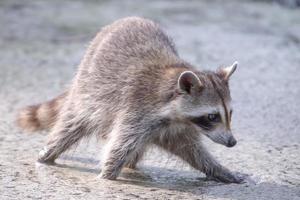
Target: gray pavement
{"type": "Point", "coordinates": [42, 42]}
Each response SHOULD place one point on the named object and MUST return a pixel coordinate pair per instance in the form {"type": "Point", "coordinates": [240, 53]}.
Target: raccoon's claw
{"type": "Point", "coordinates": [107, 176]}
{"type": "Point", "coordinates": [226, 178]}
{"type": "Point", "coordinates": [236, 178]}
{"type": "Point", "coordinates": [130, 166]}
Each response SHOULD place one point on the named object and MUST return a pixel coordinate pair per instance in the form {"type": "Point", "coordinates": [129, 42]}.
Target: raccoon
{"type": "Point", "coordinates": [133, 89]}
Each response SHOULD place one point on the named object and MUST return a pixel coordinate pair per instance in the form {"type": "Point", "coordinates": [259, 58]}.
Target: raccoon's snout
{"type": "Point", "coordinates": [231, 142]}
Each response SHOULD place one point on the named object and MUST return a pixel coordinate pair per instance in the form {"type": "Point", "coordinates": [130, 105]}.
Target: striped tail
{"type": "Point", "coordinates": [41, 116]}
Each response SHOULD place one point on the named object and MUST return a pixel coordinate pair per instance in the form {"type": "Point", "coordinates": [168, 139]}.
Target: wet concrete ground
{"type": "Point", "coordinates": [42, 42]}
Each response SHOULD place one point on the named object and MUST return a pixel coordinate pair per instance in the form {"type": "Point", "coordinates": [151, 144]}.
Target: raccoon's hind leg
{"type": "Point", "coordinates": [67, 132]}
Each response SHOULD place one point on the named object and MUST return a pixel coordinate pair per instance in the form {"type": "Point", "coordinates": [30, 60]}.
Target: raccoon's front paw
{"type": "Point", "coordinates": [226, 177]}
{"type": "Point", "coordinates": [107, 175]}
{"type": "Point", "coordinates": [131, 165]}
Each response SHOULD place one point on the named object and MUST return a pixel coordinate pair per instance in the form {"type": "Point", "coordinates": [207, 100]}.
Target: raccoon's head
{"type": "Point", "coordinates": [204, 101]}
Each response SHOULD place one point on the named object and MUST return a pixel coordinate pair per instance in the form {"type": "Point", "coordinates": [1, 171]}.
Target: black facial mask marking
{"type": "Point", "coordinates": [207, 122]}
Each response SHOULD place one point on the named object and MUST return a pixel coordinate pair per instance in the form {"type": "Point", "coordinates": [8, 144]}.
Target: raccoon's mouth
{"type": "Point", "coordinates": [225, 139]}
{"type": "Point", "coordinates": [208, 123]}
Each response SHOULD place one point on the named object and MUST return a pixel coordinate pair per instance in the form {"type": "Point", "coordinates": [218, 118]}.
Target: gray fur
{"type": "Point", "coordinates": [128, 91]}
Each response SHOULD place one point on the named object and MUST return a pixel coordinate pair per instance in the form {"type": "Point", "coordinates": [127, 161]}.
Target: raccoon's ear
{"type": "Point", "coordinates": [226, 72]}
{"type": "Point", "coordinates": [188, 81]}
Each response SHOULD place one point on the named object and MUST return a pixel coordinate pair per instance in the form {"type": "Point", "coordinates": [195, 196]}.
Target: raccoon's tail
{"type": "Point", "coordinates": [41, 116]}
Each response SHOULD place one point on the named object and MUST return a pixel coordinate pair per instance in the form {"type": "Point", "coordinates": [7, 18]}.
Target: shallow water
{"type": "Point", "coordinates": [42, 42]}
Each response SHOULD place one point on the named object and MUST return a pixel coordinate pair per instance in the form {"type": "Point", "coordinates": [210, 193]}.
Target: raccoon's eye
{"type": "Point", "coordinates": [214, 117]}
{"type": "Point", "coordinates": [203, 122]}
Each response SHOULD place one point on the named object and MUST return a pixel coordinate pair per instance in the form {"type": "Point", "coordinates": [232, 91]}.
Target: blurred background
{"type": "Point", "coordinates": [42, 43]}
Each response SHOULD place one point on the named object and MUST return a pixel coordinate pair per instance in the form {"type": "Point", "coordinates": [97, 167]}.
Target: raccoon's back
{"type": "Point", "coordinates": [122, 53]}
{"type": "Point", "coordinates": [126, 46]}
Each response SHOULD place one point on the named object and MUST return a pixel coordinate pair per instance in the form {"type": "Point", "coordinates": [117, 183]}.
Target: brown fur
{"type": "Point", "coordinates": [133, 89]}
{"type": "Point", "coordinates": [40, 116]}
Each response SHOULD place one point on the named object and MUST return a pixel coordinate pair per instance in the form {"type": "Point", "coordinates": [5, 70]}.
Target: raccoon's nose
{"type": "Point", "coordinates": [231, 142]}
